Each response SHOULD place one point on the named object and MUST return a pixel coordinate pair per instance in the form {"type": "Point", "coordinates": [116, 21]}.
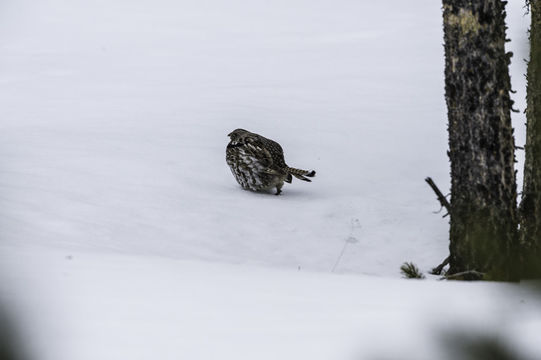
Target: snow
{"type": "Point", "coordinates": [124, 235]}
{"type": "Point", "coordinates": [110, 306]}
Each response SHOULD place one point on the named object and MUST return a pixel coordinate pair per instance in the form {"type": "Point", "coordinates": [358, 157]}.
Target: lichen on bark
{"type": "Point", "coordinates": [466, 21]}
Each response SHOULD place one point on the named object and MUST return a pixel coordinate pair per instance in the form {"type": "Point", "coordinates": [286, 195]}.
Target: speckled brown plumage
{"type": "Point", "coordinates": [258, 164]}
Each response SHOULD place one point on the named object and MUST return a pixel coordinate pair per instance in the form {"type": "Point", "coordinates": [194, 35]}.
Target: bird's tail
{"type": "Point", "coordinates": [300, 174]}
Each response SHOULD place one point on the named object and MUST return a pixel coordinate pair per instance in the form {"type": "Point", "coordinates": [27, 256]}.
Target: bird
{"type": "Point", "coordinates": [258, 163]}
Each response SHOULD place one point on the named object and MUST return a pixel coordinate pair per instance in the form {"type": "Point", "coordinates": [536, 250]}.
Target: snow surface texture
{"type": "Point", "coordinates": [121, 223]}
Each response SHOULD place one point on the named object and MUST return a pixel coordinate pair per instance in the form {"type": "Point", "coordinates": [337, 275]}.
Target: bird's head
{"type": "Point", "coordinates": [238, 135]}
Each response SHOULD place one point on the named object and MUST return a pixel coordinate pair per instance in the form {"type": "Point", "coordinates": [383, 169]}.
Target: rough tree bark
{"type": "Point", "coordinates": [530, 206]}
{"type": "Point", "coordinates": [483, 221]}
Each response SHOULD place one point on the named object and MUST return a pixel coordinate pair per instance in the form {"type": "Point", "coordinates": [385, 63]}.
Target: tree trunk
{"type": "Point", "coordinates": [481, 146]}
{"type": "Point", "coordinates": [530, 206]}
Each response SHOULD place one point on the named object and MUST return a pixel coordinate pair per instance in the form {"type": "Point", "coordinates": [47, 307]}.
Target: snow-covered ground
{"type": "Point", "coordinates": [124, 235]}
{"type": "Point", "coordinates": [89, 306]}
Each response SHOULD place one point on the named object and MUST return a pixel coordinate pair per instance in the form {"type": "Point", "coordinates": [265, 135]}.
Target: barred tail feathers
{"type": "Point", "coordinates": [300, 174]}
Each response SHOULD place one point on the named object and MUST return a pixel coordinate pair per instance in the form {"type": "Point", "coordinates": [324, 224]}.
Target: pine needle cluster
{"type": "Point", "coordinates": [410, 271]}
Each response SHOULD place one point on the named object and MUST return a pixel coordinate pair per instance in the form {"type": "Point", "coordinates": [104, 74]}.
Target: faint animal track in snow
{"type": "Point", "coordinates": [351, 239]}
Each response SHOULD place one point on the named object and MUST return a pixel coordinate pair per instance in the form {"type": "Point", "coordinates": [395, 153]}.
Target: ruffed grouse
{"type": "Point", "coordinates": [258, 164]}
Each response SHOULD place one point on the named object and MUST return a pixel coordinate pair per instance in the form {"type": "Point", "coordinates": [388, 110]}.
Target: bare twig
{"type": "Point", "coordinates": [438, 269]}
{"type": "Point", "coordinates": [466, 275]}
{"type": "Point", "coordinates": [441, 198]}
{"type": "Point", "coordinates": [444, 203]}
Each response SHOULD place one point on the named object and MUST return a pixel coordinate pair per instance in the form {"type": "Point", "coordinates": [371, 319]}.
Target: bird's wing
{"type": "Point", "coordinates": [258, 154]}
